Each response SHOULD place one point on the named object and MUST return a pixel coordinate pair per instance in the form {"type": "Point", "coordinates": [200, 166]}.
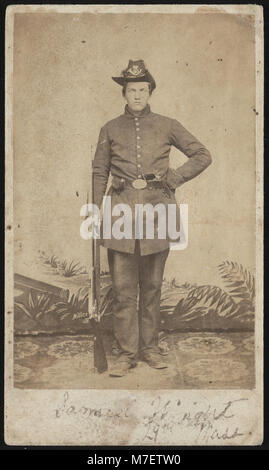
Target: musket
{"type": "Point", "coordinates": [94, 306]}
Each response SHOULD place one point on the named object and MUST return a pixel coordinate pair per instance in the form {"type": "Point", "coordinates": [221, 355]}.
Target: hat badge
{"type": "Point", "coordinates": [135, 70]}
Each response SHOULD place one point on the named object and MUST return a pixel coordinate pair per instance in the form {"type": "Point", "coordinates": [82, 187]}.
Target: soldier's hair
{"type": "Point", "coordinates": [125, 85]}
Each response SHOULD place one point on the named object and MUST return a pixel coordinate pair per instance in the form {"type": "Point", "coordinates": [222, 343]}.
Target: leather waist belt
{"type": "Point", "coordinates": [141, 183]}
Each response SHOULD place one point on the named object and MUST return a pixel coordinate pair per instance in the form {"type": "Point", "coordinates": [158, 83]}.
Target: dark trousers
{"type": "Point", "coordinates": [134, 275]}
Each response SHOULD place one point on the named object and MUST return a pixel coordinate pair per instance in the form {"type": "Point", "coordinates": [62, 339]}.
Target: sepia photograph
{"type": "Point", "coordinates": [134, 300]}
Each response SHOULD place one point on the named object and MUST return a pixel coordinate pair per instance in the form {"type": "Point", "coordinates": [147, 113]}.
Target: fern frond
{"type": "Point", "coordinates": [239, 281]}
{"type": "Point", "coordinates": [202, 299]}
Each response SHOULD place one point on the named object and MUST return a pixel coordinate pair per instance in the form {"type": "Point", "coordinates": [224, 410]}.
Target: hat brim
{"type": "Point", "coordinates": [146, 78]}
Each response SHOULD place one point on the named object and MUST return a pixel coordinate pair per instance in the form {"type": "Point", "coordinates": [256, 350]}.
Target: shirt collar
{"type": "Point", "coordinates": [130, 113]}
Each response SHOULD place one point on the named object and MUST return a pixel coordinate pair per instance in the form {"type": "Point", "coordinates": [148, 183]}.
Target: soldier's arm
{"type": "Point", "coordinates": [101, 166]}
{"type": "Point", "coordinates": [199, 156]}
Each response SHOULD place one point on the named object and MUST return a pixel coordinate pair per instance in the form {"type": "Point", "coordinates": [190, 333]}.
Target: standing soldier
{"type": "Point", "coordinates": [135, 148]}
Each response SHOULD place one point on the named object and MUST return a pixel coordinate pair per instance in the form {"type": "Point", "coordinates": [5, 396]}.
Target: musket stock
{"type": "Point", "coordinates": [100, 361]}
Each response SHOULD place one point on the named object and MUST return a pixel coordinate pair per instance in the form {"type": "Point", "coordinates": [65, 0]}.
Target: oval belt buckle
{"type": "Point", "coordinates": [139, 184]}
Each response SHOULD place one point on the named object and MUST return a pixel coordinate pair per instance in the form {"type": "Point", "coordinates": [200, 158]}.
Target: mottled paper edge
{"type": "Point", "coordinates": [11, 436]}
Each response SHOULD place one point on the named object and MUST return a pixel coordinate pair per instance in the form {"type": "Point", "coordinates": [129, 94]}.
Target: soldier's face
{"type": "Point", "coordinates": [137, 95]}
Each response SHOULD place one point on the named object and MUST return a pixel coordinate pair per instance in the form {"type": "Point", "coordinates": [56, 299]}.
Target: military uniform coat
{"type": "Point", "coordinates": [136, 144]}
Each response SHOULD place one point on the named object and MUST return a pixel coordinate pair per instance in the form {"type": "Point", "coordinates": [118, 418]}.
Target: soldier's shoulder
{"type": "Point", "coordinates": [115, 121]}
{"type": "Point", "coordinates": [161, 117]}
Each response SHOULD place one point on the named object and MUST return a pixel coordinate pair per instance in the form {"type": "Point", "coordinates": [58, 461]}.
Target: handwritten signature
{"type": "Point", "coordinates": [69, 409]}
{"type": "Point", "coordinates": [210, 424]}
{"type": "Point", "coordinates": [164, 418]}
